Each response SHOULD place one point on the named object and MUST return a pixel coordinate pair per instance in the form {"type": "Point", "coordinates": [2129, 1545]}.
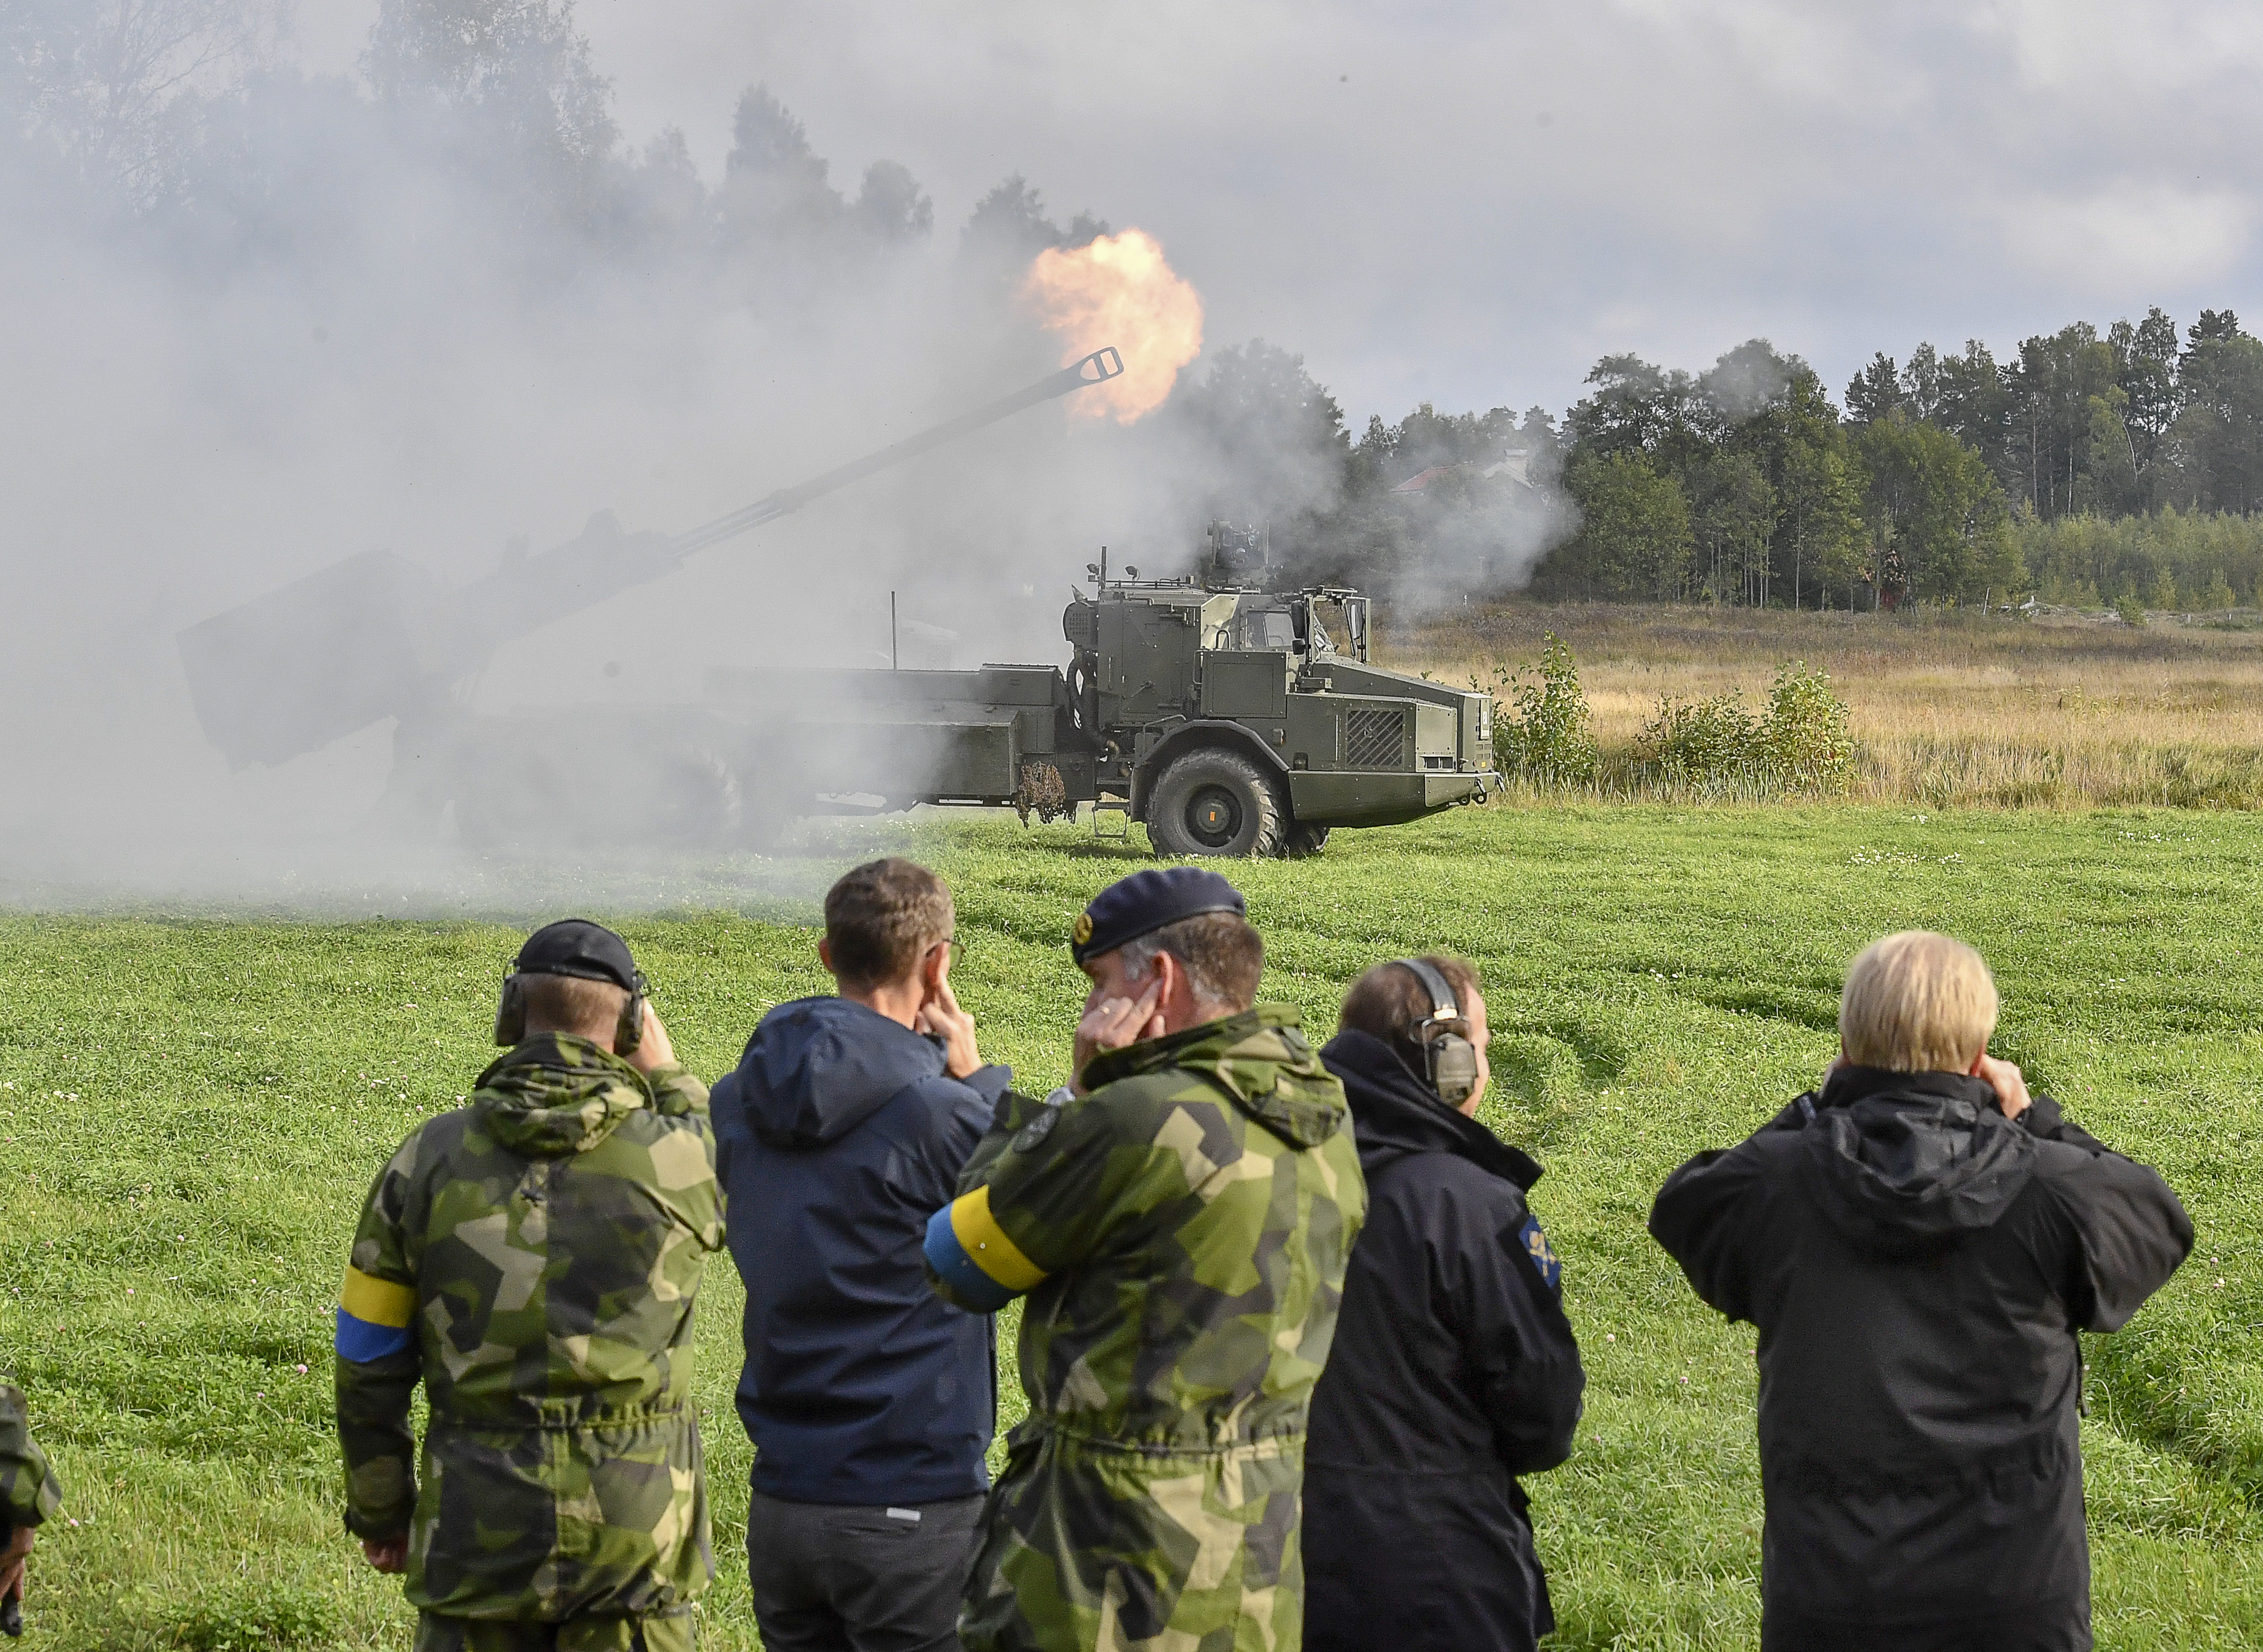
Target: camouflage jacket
{"type": "Point", "coordinates": [1181, 1233]}
{"type": "Point", "coordinates": [533, 1258]}
{"type": "Point", "coordinates": [29, 1491]}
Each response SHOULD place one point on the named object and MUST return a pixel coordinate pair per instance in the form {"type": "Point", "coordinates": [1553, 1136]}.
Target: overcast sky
{"type": "Point", "coordinates": [1471, 202]}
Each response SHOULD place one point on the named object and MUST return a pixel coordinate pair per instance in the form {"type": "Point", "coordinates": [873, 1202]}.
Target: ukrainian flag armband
{"type": "Point", "coordinates": [971, 1254]}
{"type": "Point", "coordinates": [373, 1315]}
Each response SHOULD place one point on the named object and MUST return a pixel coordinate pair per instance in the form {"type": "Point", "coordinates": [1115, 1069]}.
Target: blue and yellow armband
{"type": "Point", "coordinates": [373, 1315]}
{"type": "Point", "coordinates": [971, 1254]}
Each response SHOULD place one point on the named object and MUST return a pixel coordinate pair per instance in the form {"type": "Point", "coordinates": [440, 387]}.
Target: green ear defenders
{"type": "Point", "coordinates": [511, 1013]}
{"type": "Point", "coordinates": [1450, 1060]}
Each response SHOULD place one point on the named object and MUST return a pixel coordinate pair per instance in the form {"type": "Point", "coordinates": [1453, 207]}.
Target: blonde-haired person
{"type": "Point", "coordinates": [1918, 1242]}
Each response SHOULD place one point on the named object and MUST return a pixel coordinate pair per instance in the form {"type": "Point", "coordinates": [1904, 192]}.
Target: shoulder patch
{"type": "Point", "coordinates": [1034, 1133]}
{"type": "Point", "coordinates": [1543, 1259]}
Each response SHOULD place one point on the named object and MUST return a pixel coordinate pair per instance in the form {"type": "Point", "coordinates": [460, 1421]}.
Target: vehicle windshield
{"type": "Point", "coordinates": [1264, 628]}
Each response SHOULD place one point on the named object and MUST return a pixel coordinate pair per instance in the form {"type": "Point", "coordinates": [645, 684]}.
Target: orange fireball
{"type": "Point", "coordinates": [1119, 290]}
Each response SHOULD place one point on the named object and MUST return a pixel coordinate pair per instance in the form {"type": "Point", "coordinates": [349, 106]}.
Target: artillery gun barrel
{"type": "Point", "coordinates": [1097, 368]}
{"type": "Point", "coordinates": [372, 637]}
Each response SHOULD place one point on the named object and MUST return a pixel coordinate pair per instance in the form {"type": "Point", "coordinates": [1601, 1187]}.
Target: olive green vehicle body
{"type": "Point", "coordinates": [1159, 670]}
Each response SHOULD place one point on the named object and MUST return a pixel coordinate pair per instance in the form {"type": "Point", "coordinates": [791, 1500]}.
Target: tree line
{"type": "Point", "coordinates": [2126, 467]}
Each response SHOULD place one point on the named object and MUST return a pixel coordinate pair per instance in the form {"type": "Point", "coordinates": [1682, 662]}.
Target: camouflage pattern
{"type": "Point", "coordinates": [553, 1232]}
{"type": "Point", "coordinates": [1192, 1216]}
{"type": "Point", "coordinates": [29, 1491]}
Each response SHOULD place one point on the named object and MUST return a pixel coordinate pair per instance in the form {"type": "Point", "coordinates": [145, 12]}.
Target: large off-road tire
{"type": "Point", "coordinates": [1304, 840]}
{"type": "Point", "coordinates": [1215, 801]}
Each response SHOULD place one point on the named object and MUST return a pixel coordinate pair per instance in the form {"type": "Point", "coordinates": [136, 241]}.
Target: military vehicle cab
{"type": "Point", "coordinates": [1235, 719]}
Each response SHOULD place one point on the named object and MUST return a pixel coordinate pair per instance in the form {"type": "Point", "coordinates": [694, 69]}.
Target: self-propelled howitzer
{"type": "Point", "coordinates": [1231, 716]}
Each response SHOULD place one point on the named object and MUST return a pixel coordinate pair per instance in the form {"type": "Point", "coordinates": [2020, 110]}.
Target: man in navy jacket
{"type": "Point", "coordinates": [870, 1401]}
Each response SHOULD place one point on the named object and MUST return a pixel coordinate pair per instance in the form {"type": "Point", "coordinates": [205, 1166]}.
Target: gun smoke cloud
{"type": "Point", "coordinates": [1118, 289]}
{"type": "Point", "coordinates": [353, 359]}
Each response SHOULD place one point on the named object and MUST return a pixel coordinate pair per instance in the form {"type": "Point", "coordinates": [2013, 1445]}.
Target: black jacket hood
{"type": "Point", "coordinates": [818, 1067]}
{"type": "Point", "coordinates": [1904, 1161]}
{"type": "Point", "coordinates": [1394, 1113]}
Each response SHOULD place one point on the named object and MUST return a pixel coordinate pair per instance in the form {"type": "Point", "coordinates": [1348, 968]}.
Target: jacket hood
{"type": "Point", "coordinates": [1395, 1113]}
{"type": "Point", "coordinates": [1904, 1161]}
{"type": "Point", "coordinates": [556, 1093]}
{"type": "Point", "coordinates": [1259, 1057]}
{"type": "Point", "coordinates": [818, 1067]}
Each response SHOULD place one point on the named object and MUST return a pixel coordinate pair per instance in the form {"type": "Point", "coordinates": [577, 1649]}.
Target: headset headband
{"type": "Point", "coordinates": [1443, 1007]}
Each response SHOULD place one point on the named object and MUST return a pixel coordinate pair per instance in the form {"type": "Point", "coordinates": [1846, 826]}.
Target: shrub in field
{"type": "Point", "coordinates": [1803, 738]}
{"type": "Point", "coordinates": [2131, 609]}
{"type": "Point", "coordinates": [1709, 744]}
{"type": "Point", "coordinates": [1799, 743]}
{"type": "Point", "coordinates": [1549, 741]}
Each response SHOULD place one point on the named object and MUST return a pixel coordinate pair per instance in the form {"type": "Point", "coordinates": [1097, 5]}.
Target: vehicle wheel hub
{"type": "Point", "coordinates": [1214, 816]}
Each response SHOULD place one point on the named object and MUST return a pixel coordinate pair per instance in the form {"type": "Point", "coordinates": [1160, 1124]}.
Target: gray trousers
{"type": "Point", "coordinates": [828, 1577]}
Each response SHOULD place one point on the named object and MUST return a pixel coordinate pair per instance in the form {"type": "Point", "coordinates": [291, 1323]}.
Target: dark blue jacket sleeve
{"type": "Point", "coordinates": [1513, 1333]}
{"type": "Point", "coordinates": [959, 1116]}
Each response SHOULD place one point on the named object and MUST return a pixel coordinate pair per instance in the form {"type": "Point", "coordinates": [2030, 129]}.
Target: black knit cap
{"type": "Point", "coordinates": [577, 947]}
{"type": "Point", "coordinates": [1145, 901]}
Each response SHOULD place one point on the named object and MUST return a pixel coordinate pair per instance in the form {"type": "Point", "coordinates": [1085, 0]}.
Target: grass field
{"type": "Point", "coordinates": [1948, 708]}
{"type": "Point", "coordinates": [192, 1109]}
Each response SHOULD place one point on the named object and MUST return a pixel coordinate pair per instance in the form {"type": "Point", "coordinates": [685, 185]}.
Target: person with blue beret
{"type": "Point", "coordinates": [1180, 1216]}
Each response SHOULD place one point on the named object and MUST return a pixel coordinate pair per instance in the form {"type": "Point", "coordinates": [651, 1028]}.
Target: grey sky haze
{"type": "Point", "coordinates": [1470, 203]}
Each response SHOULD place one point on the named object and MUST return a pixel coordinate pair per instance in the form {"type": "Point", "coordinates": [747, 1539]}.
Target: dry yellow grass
{"type": "Point", "coordinates": [2060, 710]}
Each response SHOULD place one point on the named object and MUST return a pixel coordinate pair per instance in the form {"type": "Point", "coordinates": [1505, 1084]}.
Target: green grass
{"type": "Point", "coordinates": [192, 1110]}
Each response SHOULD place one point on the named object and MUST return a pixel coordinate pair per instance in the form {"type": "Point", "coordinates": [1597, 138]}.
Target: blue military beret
{"type": "Point", "coordinates": [1145, 901]}
{"type": "Point", "coordinates": [574, 946]}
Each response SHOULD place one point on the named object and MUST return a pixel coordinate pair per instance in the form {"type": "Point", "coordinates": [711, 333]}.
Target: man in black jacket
{"type": "Point", "coordinates": [1454, 1369]}
{"type": "Point", "coordinates": [870, 1401]}
{"type": "Point", "coordinates": [1919, 1244]}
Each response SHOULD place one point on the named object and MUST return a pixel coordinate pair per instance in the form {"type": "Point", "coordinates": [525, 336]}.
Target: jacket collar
{"type": "Point", "coordinates": [1849, 1084]}
{"type": "Point", "coordinates": [1150, 1054]}
{"type": "Point", "coordinates": [1395, 1113]}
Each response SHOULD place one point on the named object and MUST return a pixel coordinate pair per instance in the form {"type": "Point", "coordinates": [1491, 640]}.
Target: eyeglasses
{"type": "Point", "coordinates": [957, 949]}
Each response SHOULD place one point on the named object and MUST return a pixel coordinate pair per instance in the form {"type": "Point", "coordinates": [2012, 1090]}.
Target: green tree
{"type": "Point", "coordinates": [1266, 441]}
{"type": "Point", "coordinates": [1933, 508]}
{"type": "Point", "coordinates": [516, 72]}
{"type": "Point", "coordinates": [1733, 517]}
{"type": "Point", "coordinates": [1634, 542]}
{"type": "Point", "coordinates": [2111, 481]}
{"type": "Point", "coordinates": [2053, 385]}
{"type": "Point", "coordinates": [2145, 368]}
{"type": "Point", "coordinates": [2216, 444]}
{"type": "Point", "coordinates": [1875, 392]}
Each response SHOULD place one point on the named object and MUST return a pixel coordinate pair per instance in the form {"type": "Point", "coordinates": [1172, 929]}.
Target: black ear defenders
{"type": "Point", "coordinates": [1450, 1060]}
{"type": "Point", "coordinates": [511, 1013]}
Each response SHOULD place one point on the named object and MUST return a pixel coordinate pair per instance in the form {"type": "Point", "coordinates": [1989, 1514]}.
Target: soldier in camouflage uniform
{"type": "Point", "coordinates": [30, 1495]}
{"type": "Point", "coordinates": [1181, 1221]}
{"type": "Point", "coordinates": [533, 1258]}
